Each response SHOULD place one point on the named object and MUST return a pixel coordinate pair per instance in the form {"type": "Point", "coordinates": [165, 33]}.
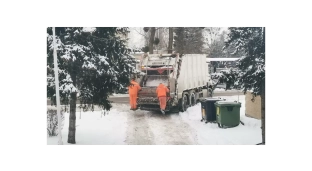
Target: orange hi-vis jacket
{"type": "Point", "coordinates": [134, 88]}
{"type": "Point", "coordinates": [162, 90]}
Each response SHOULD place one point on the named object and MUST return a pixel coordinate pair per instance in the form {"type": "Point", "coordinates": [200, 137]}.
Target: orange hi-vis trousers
{"type": "Point", "coordinates": [133, 101]}
{"type": "Point", "coordinates": [162, 102]}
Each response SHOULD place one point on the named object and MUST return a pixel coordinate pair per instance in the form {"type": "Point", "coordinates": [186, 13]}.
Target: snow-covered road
{"type": "Point", "coordinates": [155, 128]}
{"type": "Point", "coordinates": [122, 126]}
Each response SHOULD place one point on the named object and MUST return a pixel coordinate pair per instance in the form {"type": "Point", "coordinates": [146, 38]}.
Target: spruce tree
{"type": "Point", "coordinates": [250, 41]}
{"type": "Point", "coordinates": [93, 63]}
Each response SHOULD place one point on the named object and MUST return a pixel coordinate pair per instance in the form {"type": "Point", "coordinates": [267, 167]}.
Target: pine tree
{"type": "Point", "coordinates": [92, 63]}
{"type": "Point", "coordinates": [251, 75]}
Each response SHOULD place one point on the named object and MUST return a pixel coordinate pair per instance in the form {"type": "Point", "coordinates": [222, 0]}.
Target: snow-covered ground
{"type": "Point", "coordinates": [219, 90]}
{"type": "Point", "coordinates": [119, 95]}
{"type": "Point", "coordinates": [210, 133]}
{"type": "Point", "coordinates": [122, 126]}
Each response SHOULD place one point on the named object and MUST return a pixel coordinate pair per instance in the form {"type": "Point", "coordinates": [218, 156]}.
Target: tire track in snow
{"type": "Point", "coordinates": [169, 129]}
{"type": "Point", "coordinates": [138, 131]}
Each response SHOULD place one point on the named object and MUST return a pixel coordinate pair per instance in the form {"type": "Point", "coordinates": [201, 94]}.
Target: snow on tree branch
{"type": "Point", "coordinates": [97, 58]}
{"type": "Point", "coordinates": [68, 88]}
{"type": "Point", "coordinates": [252, 65]}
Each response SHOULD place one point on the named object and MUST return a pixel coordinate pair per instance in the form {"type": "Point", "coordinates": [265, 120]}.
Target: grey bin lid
{"type": "Point", "coordinates": [227, 103]}
{"type": "Point", "coordinates": [212, 99]}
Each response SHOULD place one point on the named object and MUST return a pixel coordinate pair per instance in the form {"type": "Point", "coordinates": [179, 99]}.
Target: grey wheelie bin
{"type": "Point", "coordinates": [208, 109]}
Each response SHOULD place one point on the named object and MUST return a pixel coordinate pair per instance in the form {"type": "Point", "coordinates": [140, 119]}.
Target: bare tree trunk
{"type": "Point", "coordinates": [170, 40]}
{"type": "Point", "coordinates": [72, 114]}
{"type": "Point", "coordinates": [72, 119]}
{"type": "Point", "coordinates": [151, 41]}
{"type": "Point", "coordinates": [146, 38]}
{"type": "Point", "coordinates": [263, 112]}
{"type": "Point", "coordinates": [180, 39]}
{"type": "Point", "coordinates": [162, 42]}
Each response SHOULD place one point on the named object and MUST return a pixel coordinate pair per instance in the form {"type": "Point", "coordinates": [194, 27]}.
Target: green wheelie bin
{"type": "Point", "coordinates": [228, 114]}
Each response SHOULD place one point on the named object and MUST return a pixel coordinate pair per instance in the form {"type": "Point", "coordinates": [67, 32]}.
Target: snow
{"type": "Point", "coordinates": [222, 90]}
{"type": "Point", "coordinates": [210, 133]}
{"type": "Point", "coordinates": [120, 95]}
{"type": "Point", "coordinates": [92, 129]}
{"type": "Point", "coordinates": [88, 29]}
{"type": "Point", "coordinates": [69, 88]}
{"type": "Point", "coordinates": [103, 59]}
{"type": "Point", "coordinates": [88, 65]}
{"type": "Point", "coordinates": [122, 126]}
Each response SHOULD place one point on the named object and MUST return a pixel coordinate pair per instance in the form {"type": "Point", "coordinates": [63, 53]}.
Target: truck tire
{"type": "Point", "coordinates": [192, 99]}
{"type": "Point", "coordinates": [183, 103]}
{"type": "Point", "coordinates": [180, 105]}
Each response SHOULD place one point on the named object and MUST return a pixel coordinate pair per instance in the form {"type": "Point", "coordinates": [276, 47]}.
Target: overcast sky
{"type": "Point", "coordinates": [136, 39]}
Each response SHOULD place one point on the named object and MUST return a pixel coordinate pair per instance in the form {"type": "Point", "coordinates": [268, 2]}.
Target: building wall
{"type": "Point", "coordinates": [253, 108]}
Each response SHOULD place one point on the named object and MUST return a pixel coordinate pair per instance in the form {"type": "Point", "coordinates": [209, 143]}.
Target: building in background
{"type": "Point", "coordinates": [253, 107]}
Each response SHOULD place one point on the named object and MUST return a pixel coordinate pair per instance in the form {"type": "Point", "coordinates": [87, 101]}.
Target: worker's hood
{"type": "Point", "coordinates": [133, 82]}
{"type": "Point", "coordinates": [161, 85]}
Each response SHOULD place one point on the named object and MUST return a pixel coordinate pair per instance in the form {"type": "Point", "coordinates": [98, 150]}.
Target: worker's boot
{"type": "Point", "coordinates": [162, 111]}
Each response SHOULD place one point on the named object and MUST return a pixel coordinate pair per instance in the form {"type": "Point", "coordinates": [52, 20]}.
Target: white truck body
{"type": "Point", "coordinates": [193, 73]}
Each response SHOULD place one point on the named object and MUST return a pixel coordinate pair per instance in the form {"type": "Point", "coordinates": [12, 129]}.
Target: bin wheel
{"type": "Point", "coordinates": [201, 120]}
{"type": "Point", "coordinates": [219, 125]}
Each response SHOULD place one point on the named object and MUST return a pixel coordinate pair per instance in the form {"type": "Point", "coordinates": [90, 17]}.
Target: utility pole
{"type": "Point", "coordinates": [59, 119]}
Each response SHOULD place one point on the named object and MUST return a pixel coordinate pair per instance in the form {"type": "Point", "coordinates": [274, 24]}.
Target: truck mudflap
{"type": "Point", "coordinates": [152, 104]}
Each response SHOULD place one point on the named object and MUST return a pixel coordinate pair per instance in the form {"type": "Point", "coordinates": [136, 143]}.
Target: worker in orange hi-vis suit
{"type": "Point", "coordinates": [162, 91]}
{"type": "Point", "coordinates": [134, 88]}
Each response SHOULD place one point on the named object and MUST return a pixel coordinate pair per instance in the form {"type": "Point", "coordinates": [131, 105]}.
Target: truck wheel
{"type": "Point", "coordinates": [184, 103]}
{"type": "Point", "coordinates": [180, 105]}
{"type": "Point", "coordinates": [193, 100]}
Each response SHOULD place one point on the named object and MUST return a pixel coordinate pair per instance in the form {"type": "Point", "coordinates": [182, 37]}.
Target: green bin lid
{"type": "Point", "coordinates": [227, 103]}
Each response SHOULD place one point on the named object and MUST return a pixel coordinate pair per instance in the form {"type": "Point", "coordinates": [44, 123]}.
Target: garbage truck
{"type": "Point", "coordinates": [186, 77]}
